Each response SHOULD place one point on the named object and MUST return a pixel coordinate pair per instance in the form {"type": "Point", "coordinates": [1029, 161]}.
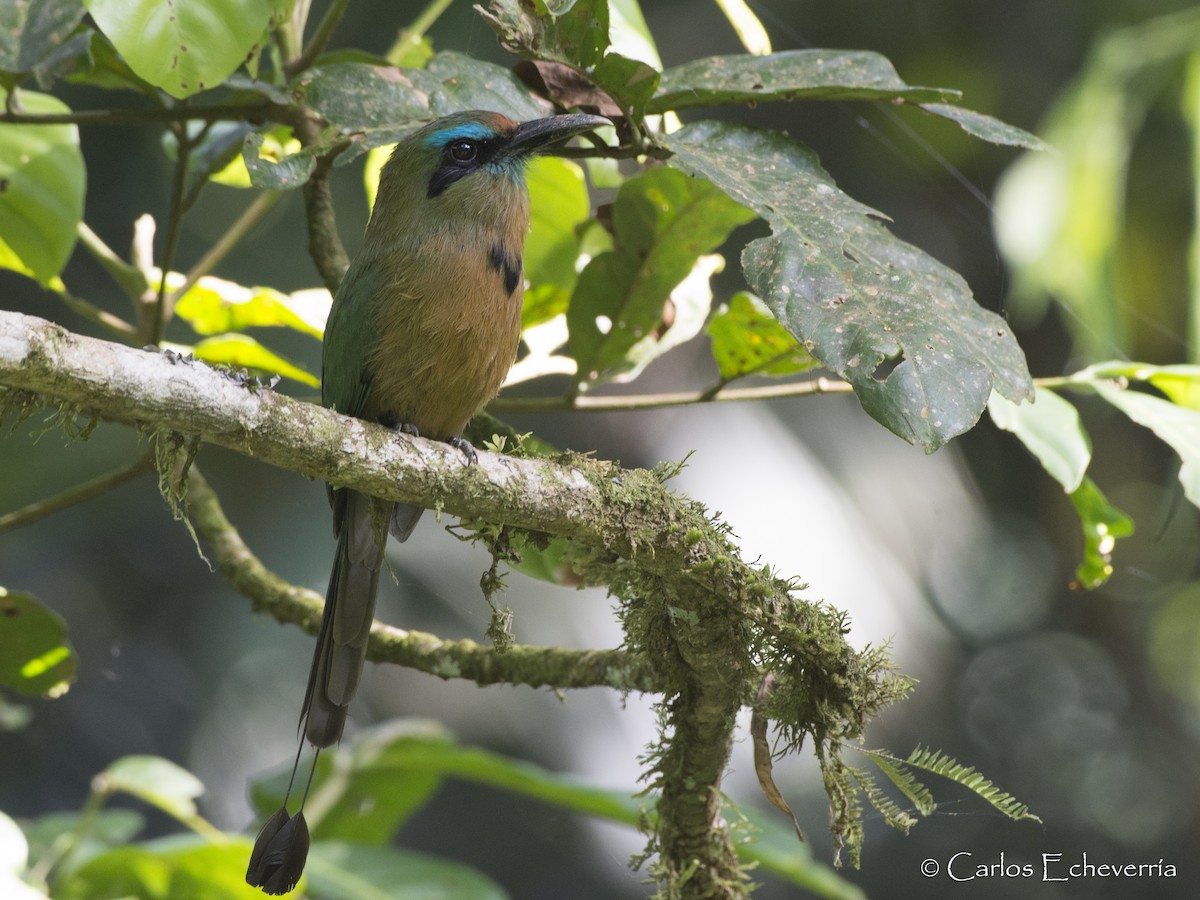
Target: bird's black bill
{"type": "Point", "coordinates": [531, 137]}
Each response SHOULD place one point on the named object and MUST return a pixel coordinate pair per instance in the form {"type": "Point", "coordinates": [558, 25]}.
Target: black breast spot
{"type": "Point", "coordinates": [506, 265]}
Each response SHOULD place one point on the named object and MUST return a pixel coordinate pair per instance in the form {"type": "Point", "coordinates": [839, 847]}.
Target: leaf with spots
{"type": "Point", "coordinates": [572, 32]}
{"type": "Point", "coordinates": [270, 164]}
{"type": "Point", "coordinates": [356, 96]}
{"type": "Point", "coordinates": [747, 340]}
{"type": "Point", "coordinates": [185, 46]}
{"type": "Point", "coordinates": [387, 101]}
{"type": "Point", "coordinates": [31, 33]}
{"type": "Point", "coordinates": [898, 325]}
{"type": "Point", "coordinates": [791, 75]}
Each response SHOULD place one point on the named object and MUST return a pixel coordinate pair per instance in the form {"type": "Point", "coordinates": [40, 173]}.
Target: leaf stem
{"type": "Point", "coordinates": [128, 277]}
{"type": "Point", "coordinates": [251, 112]}
{"type": "Point", "coordinates": [93, 313]}
{"type": "Point", "coordinates": [320, 39]}
{"type": "Point", "coordinates": [678, 398]}
{"type": "Point", "coordinates": [27, 515]}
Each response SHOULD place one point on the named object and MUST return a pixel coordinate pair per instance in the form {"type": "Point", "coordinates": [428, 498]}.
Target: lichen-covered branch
{"type": "Point", "coordinates": [702, 626]}
{"type": "Point", "coordinates": [519, 664]}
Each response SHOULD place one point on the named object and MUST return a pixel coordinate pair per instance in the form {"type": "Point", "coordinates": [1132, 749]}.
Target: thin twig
{"type": "Point", "coordinates": [518, 664]}
{"type": "Point", "coordinates": [128, 277]}
{"type": "Point", "coordinates": [81, 493]}
{"type": "Point", "coordinates": [181, 199]}
{"type": "Point", "coordinates": [114, 323]}
{"type": "Point", "coordinates": [247, 112]}
{"type": "Point", "coordinates": [632, 402]}
{"type": "Point", "coordinates": [320, 39]}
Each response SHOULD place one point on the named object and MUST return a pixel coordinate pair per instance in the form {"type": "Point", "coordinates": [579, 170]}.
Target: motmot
{"type": "Point", "coordinates": [423, 329]}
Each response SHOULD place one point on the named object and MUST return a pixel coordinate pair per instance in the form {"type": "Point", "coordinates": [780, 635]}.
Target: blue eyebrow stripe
{"type": "Point", "coordinates": [471, 130]}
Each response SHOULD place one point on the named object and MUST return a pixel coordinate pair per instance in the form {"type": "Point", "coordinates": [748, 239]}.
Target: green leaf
{"type": "Point", "coordinates": [986, 127]}
{"type": "Point", "coordinates": [1102, 525]}
{"type": "Point", "coordinates": [859, 299]}
{"type": "Point", "coordinates": [1050, 429]}
{"type": "Point", "coordinates": [1181, 383]}
{"type": "Point", "coordinates": [790, 75]}
{"type": "Point", "coordinates": [747, 340]}
{"type": "Point", "coordinates": [244, 352]}
{"type": "Point", "coordinates": [361, 97]}
{"type": "Point", "coordinates": [548, 563]}
{"type": "Point", "coordinates": [185, 48]}
{"type": "Point", "coordinates": [370, 792]}
{"type": "Point", "coordinates": [630, 82]}
{"type": "Point", "coordinates": [271, 165]}
{"type": "Point", "coordinates": [337, 869]}
{"type": "Point", "coordinates": [559, 205]}
{"type": "Point", "coordinates": [154, 780]}
{"type": "Point", "coordinates": [1177, 426]}
{"type": "Point", "coordinates": [100, 65]}
{"type": "Point", "coordinates": [215, 153]}
{"type": "Point", "coordinates": [213, 305]}
{"type": "Point", "coordinates": [455, 81]}
{"type": "Point", "coordinates": [398, 764]}
{"type": "Point", "coordinates": [371, 783]}
{"type": "Point", "coordinates": [356, 96]}
{"type": "Point", "coordinates": [99, 830]}
{"type": "Point", "coordinates": [572, 32]}
{"type": "Point", "coordinates": [29, 32]}
{"type": "Point", "coordinates": [663, 223]}
{"type": "Point", "coordinates": [41, 191]}
{"type": "Point", "coordinates": [164, 869]}
{"type": "Point", "coordinates": [36, 659]}
{"type": "Point", "coordinates": [774, 849]}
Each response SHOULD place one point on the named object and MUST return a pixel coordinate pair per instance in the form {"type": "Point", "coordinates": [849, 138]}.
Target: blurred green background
{"type": "Point", "coordinates": [1083, 705]}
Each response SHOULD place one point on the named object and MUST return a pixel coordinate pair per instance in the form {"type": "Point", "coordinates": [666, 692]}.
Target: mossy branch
{"type": "Point", "coordinates": [702, 626]}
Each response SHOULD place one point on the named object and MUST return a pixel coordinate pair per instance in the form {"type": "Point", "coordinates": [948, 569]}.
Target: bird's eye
{"type": "Point", "coordinates": [463, 151]}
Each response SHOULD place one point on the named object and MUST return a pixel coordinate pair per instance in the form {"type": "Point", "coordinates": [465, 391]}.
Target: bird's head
{"type": "Point", "coordinates": [467, 143]}
{"type": "Point", "coordinates": [465, 165]}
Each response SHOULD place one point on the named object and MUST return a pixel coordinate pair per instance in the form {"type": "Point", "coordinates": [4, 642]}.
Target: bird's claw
{"type": "Point", "coordinates": [466, 448]}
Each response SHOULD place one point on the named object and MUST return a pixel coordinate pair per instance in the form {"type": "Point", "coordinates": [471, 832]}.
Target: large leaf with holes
{"type": "Point", "coordinates": [185, 46]}
{"type": "Point", "coordinates": [791, 75]}
{"type": "Point", "coordinates": [898, 325]}
{"type": "Point", "coordinates": [358, 96]}
{"type": "Point", "coordinates": [32, 31]}
{"type": "Point", "coordinates": [572, 32]}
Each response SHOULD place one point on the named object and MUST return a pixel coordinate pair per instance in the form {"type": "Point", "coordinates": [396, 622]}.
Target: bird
{"type": "Point", "coordinates": [423, 330]}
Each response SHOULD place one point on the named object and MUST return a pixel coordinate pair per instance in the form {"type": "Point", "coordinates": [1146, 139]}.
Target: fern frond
{"type": "Point", "coordinates": [898, 818]}
{"type": "Point", "coordinates": [897, 772]}
{"type": "Point", "coordinates": [938, 763]}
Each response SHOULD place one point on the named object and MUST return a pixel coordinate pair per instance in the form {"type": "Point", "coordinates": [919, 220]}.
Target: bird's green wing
{"type": "Point", "coordinates": [349, 338]}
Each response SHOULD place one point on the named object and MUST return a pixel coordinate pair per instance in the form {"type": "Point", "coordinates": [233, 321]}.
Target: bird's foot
{"type": "Point", "coordinates": [397, 422]}
{"type": "Point", "coordinates": [466, 448]}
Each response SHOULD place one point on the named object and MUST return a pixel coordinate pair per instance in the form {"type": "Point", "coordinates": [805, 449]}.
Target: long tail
{"type": "Point", "coordinates": [341, 647]}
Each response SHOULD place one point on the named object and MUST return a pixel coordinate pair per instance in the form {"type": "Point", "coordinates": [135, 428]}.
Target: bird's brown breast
{"type": "Point", "coordinates": [448, 321]}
